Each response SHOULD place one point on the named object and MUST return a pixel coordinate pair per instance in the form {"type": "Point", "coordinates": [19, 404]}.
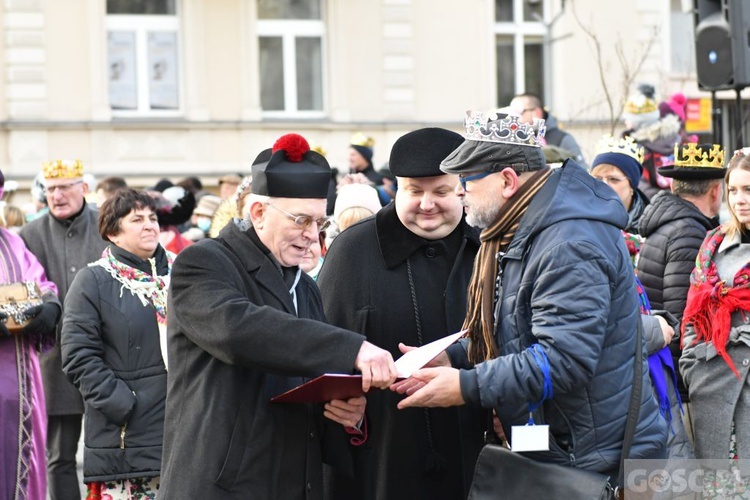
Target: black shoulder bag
{"type": "Point", "coordinates": [500, 473]}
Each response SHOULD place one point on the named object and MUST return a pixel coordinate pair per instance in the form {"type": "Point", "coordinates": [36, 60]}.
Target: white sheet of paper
{"type": "Point", "coordinates": [529, 437]}
{"type": "Point", "coordinates": [417, 358]}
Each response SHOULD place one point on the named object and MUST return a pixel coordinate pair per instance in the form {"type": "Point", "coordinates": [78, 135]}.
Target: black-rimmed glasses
{"type": "Point", "coordinates": [304, 221]}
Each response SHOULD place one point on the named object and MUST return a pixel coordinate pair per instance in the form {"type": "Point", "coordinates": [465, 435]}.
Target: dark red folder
{"type": "Point", "coordinates": [323, 389]}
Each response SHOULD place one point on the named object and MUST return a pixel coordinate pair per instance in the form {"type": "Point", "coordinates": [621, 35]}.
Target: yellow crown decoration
{"type": "Point", "coordinates": [62, 169]}
{"type": "Point", "coordinates": [319, 149]}
{"type": "Point", "coordinates": [360, 139]}
{"type": "Point", "coordinates": [693, 155]}
{"type": "Point", "coordinates": [624, 145]}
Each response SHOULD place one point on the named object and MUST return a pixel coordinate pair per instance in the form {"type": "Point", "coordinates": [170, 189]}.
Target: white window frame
{"type": "Point", "coordinates": [288, 30]}
{"type": "Point", "coordinates": [141, 25]}
{"type": "Point", "coordinates": [521, 32]}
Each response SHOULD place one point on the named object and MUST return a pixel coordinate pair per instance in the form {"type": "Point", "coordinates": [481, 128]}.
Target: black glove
{"type": "Point", "coordinates": [45, 319]}
{"type": "Point", "coordinates": [4, 332]}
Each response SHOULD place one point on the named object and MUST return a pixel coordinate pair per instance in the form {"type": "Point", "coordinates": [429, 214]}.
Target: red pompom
{"type": "Point", "coordinates": [294, 145]}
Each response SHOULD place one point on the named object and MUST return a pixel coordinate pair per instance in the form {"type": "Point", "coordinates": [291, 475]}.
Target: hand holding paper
{"type": "Point", "coordinates": [340, 386]}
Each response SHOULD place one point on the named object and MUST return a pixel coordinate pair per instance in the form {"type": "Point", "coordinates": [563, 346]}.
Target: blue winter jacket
{"type": "Point", "coordinates": [568, 285]}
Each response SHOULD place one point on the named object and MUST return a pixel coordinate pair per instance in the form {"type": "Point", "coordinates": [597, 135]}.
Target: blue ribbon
{"type": "Point", "coordinates": [537, 351]}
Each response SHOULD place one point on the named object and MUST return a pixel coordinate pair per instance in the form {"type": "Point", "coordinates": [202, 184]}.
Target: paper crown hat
{"type": "Point", "coordinates": [694, 161]}
{"type": "Point", "coordinates": [623, 153]}
{"type": "Point", "coordinates": [496, 141]}
{"type": "Point", "coordinates": [292, 171]}
{"type": "Point", "coordinates": [62, 169]}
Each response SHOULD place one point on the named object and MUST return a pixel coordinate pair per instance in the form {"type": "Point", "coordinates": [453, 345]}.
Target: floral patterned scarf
{"type": "Point", "coordinates": [710, 302]}
{"type": "Point", "coordinates": [149, 288]}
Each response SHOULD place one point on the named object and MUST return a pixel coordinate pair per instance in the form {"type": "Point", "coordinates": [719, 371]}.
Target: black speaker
{"type": "Point", "coordinates": [722, 43]}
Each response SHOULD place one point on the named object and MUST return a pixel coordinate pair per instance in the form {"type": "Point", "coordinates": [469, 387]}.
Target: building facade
{"type": "Point", "coordinates": [169, 88]}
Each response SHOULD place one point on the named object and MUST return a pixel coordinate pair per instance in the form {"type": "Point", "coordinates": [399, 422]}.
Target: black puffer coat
{"type": "Point", "coordinates": [110, 351]}
{"type": "Point", "coordinates": [674, 230]}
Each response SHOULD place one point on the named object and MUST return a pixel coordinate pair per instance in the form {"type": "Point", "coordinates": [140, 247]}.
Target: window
{"type": "Point", "coordinates": [290, 48]}
{"type": "Point", "coordinates": [143, 57]}
{"type": "Point", "coordinates": [519, 48]}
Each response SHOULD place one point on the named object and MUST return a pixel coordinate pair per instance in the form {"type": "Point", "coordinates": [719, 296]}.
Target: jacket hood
{"type": "Point", "coordinates": [571, 193]}
{"type": "Point", "coordinates": [550, 121]}
{"type": "Point", "coordinates": [666, 208]}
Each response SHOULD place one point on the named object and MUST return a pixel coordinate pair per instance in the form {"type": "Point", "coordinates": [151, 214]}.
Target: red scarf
{"type": "Point", "coordinates": [710, 302]}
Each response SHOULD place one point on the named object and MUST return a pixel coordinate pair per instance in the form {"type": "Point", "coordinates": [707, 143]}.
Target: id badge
{"type": "Point", "coordinates": [529, 437]}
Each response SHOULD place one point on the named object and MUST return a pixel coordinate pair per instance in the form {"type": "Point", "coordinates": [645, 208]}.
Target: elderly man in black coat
{"type": "Point", "coordinates": [401, 277]}
{"type": "Point", "coordinates": [244, 325]}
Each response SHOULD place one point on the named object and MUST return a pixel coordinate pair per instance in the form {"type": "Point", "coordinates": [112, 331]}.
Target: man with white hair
{"type": "Point", "coordinates": [246, 324]}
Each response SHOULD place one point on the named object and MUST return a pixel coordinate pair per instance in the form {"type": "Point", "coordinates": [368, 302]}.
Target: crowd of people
{"type": "Point", "coordinates": [168, 318]}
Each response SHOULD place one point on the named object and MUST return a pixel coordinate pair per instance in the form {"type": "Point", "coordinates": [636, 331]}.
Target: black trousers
{"type": "Point", "coordinates": [63, 434]}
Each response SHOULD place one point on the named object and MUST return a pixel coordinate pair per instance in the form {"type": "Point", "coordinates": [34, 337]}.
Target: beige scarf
{"type": "Point", "coordinates": [496, 238]}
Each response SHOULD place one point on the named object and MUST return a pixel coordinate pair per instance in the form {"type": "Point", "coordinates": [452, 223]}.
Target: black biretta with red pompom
{"type": "Point", "coordinates": [293, 171]}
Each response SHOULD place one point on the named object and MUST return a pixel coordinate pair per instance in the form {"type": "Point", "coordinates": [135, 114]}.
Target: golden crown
{"type": "Point", "coordinates": [503, 128]}
{"type": "Point", "coordinates": [625, 145]}
{"type": "Point", "coordinates": [319, 149]}
{"type": "Point", "coordinates": [62, 169]}
{"type": "Point", "coordinates": [360, 139]}
{"type": "Point", "coordinates": [698, 155]}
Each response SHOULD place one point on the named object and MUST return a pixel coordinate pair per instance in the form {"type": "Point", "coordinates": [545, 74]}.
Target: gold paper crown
{"type": "Point", "coordinates": [639, 105]}
{"type": "Point", "coordinates": [692, 155]}
{"type": "Point", "coordinates": [360, 139]}
{"type": "Point", "coordinates": [625, 145]}
{"type": "Point", "coordinates": [63, 169]}
{"type": "Point", "coordinates": [509, 129]}
{"type": "Point", "coordinates": [319, 149]}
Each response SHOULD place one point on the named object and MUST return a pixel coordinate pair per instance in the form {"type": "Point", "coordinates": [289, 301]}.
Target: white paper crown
{"type": "Point", "coordinates": [624, 145]}
{"type": "Point", "coordinates": [509, 129]}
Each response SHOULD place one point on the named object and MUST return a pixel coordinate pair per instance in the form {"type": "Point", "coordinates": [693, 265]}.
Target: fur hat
{"type": "Point", "coordinates": [174, 206]}
{"type": "Point", "coordinates": [640, 108]}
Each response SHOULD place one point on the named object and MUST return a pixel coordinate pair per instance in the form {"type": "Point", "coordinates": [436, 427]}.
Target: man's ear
{"type": "Point", "coordinates": [256, 212]}
{"type": "Point", "coordinates": [511, 182]}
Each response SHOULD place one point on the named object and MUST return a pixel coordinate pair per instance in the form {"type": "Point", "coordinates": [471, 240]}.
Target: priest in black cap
{"type": "Point", "coordinates": [245, 324]}
{"type": "Point", "coordinates": [401, 277]}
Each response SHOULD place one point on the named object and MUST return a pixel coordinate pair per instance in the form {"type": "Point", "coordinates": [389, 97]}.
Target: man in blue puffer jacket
{"type": "Point", "coordinates": [553, 255]}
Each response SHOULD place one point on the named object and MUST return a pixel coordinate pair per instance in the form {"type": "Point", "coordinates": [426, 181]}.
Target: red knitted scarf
{"type": "Point", "coordinates": [710, 302]}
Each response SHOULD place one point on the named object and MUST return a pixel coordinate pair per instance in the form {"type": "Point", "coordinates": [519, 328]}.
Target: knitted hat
{"type": "Point", "coordinates": [207, 205]}
{"type": "Point", "coordinates": [675, 105]}
{"type": "Point", "coordinates": [356, 195]}
{"type": "Point", "coordinates": [293, 171]}
{"type": "Point", "coordinates": [495, 142]}
{"type": "Point", "coordinates": [623, 153]}
{"type": "Point", "coordinates": [419, 153]}
{"type": "Point", "coordinates": [640, 108]}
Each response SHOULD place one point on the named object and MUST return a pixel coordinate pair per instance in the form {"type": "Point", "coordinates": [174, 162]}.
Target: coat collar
{"type": "Point", "coordinates": [256, 259]}
{"type": "Point", "coordinates": [397, 242]}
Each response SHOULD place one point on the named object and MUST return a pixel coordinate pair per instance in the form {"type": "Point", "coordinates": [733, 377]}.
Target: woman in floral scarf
{"type": "Point", "coordinates": [113, 349]}
{"type": "Point", "coordinates": [716, 335]}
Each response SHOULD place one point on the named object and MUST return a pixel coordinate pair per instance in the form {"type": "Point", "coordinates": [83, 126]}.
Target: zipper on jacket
{"type": "Point", "coordinates": [122, 436]}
